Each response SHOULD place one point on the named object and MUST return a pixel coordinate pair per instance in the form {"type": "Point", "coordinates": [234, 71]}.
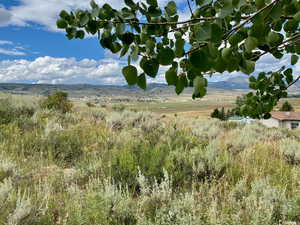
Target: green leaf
{"type": "Point", "coordinates": [259, 4]}
{"type": "Point", "coordinates": [208, 31]}
{"type": "Point", "coordinates": [127, 38]}
{"type": "Point", "coordinates": [142, 82]}
{"type": "Point", "coordinates": [216, 33]}
{"type": "Point", "coordinates": [199, 84]}
{"type": "Point", "coordinates": [165, 56]}
{"type": "Point", "coordinates": [199, 60]}
{"type": "Point", "coordinates": [130, 73]}
{"type": "Point", "coordinates": [235, 39]}
{"type": "Point", "coordinates": [203, 31]}
{"type": "Point", "coordinates": [273, 37]}
{"type": "Point", "coordinates": [150, 66]}
{"type": "Point", "coordinates": [227, 9]}
{"type": "Point", "coordinates": [134, 53]}
{"type": "Point", "coordinates": [179, 45]}
{"type": "Point", "coordinates": [61, 24]}
{"type": "Point", "coordinates": [219, 65]}
{"type": "Point", "coordinates": [171, 77]}
{"type": "Point", "coordinates": [128, 14]}
{"type": "Point", "coordinates": [120, 28]}
{"type": "Point", "coordinates": [116, 47]}
{"type": "Point", "coordinates": [124, 50]}
{"type": "Point", "coordinates": [294, 59]}
{"type": "Point", "coordinates": [276, 12]}
{"type": "Point", "coordinates": [171, 8]}
{"type": "Point", "coordinates": [247, 66]}
{"type": "Point", "coordinates": [251, 43]}
{"type": "Point", "coordinates": [131, 4]}
{"type": "Point", "coordinates": [154, 11]}
{"type": "Point", "coordinates": [181, 84]}
{"type": "Point", "coordinates": [93, 4]}
{"type": "Point", "coordinates": [291, 26]}
{"type": "Point", "coordinates": [297, 16]}
{"type": "Point", "coordinates": [213, 50]}
{"type": "Point", "coordinates": [84, 19]}
{"type": "Point", "coordinates": [64, 15]}
{"type": "Point", "coordinates": [226, 53]}
{"type": "Point", "coordinates": [92, 26]}
{"type": "Point", "coordinates": [289, 75]}
{"type": "Point", "coordinates": [79, 34]}
{"type": "Point", "coordinates": [152, 2]}
{"type": "Point", "coordinates": [203, 2]}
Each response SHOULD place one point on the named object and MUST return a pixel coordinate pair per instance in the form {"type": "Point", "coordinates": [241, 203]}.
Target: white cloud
{"type": "Point", "coordinates": [13, 52]}
{"type": "Point", "coordinates": [3, 42]}
{"type": "Point", "coordinates": [62, 70]}
{"type": "Point", "coordinates": [105, 71]}
{"type": "Point", "coordinates": [5, 16]}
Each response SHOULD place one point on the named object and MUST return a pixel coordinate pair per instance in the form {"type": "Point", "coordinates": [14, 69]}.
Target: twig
{"type": "Point", "coordinates": [189, 4]}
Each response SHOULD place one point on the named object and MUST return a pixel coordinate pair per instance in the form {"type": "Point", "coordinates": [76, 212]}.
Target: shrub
{"type": "Point", "coordinates": [118, 107]}
{"type": "Point", "coordinates": [23, 210]}
{"type": "Point", "coordinates": [90, 104]}
{"type": "Point", "coordinates": [57, 101]}
{"type": "Point", "coordinates": [64, 146]}
{"type": "Point", "coordinates": [291, 150]}
{"type": "Point", "coordinates": [10, 112]}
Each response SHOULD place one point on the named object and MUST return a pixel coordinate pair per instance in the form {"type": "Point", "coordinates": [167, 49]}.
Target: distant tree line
{"type": "Point", "coordinates": [224, 115]}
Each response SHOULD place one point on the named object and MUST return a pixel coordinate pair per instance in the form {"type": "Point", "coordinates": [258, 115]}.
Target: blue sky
{"type": "Point", "coordinates": [32, 50]}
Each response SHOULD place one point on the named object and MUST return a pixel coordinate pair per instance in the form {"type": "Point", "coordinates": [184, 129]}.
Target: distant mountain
{"type": "Point", "coordinates": [232, 83]}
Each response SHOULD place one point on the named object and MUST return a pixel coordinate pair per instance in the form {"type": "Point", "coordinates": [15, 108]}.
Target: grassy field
{"type": "Point", "coordinates": [201, 108]}
{"type": "Point", "coordinates": [114, 166]}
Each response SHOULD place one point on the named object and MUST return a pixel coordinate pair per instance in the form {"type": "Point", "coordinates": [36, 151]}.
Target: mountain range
{"type": "Point", "coordinates": [81, 90]}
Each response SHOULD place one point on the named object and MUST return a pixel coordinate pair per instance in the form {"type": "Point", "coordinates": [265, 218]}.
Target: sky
{"type": "Point", "coordinates": [33, 50]}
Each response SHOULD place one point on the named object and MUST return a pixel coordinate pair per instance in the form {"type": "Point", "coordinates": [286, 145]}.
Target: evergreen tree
{"type": "Point", "coordinates": [215, 114]}
{"type": "Point", "coordinates": [286, 107]}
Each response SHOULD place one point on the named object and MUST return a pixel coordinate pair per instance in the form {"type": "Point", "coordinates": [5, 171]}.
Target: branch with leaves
{"type": "Point", "coordinates": [220, 36]}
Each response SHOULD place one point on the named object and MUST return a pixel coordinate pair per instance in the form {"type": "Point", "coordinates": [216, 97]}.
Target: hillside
{"type": "Point", "coordinates": [82, 90]}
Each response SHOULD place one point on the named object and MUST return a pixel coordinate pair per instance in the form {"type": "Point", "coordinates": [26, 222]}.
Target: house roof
{"type": "Point", "coordinates": [286, 115]}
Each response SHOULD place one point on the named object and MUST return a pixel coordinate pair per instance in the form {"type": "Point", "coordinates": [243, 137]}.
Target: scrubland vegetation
{"type": "Point", "coordinates": [126, 168]}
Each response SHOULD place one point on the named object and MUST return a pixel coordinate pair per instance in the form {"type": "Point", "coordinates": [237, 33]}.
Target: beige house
{"type": "Point", "coordinates": [290, 120]}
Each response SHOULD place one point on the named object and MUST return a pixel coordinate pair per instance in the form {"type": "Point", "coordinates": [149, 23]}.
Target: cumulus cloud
{"type": "Point", "coordinates": [62, 70]}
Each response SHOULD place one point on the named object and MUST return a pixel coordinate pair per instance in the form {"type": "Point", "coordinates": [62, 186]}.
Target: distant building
{"type": "Point", "coordinates": [290, 120]}
{"type": "Point", "coordinates": [241, 119]}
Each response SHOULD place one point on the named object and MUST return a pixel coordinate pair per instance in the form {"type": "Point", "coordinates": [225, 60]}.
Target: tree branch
{"type": "Point", "coordinates": [282, 45]}
{"type": "Point", "coordinates": [295, 81]}
{"type": "Point", "coordinates": [161, 23]}
{"type": "Point", "coordinates": [249, 19]}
